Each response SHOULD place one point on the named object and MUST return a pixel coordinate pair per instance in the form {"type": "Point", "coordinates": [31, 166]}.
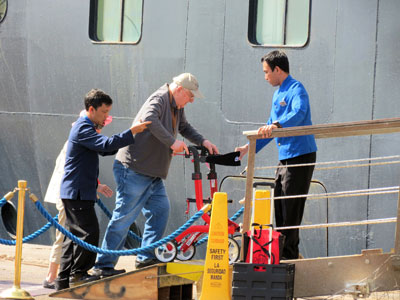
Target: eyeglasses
{"type": "Point", "coordinates": [189, 93]}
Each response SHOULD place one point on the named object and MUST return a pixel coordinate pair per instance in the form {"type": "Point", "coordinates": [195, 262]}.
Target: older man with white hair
{"type": "Point", "coordinates": [139, 169]}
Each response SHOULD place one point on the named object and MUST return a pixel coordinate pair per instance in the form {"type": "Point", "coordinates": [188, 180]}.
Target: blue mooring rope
{"type": "Point", "coordinates": [54, 222]}
{"type": "Point", "coordinates": [92, 248]}
{"type": "Point", "coordinates": [34, 235]}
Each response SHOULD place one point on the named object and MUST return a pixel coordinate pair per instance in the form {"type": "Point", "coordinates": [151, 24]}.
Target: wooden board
{"type": "Point", "coordinates": [335, 130]}
{"type": "Point", "coordinates": [143, 284]}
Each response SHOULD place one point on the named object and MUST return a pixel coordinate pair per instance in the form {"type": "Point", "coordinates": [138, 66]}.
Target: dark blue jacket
{"type": "Point", "coordinates": [82, 160]}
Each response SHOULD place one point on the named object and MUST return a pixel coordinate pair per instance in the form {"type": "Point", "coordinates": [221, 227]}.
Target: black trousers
{"type": "Point", "coordinates": [290, 181]}
{"type": "Point", "coordinates": [81, 220]}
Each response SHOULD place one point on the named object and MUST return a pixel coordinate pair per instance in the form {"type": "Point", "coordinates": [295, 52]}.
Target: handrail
{"type": "Point", "coordinates": [356, 128]}
{"type": "Point", "coordinates": [335, 129]}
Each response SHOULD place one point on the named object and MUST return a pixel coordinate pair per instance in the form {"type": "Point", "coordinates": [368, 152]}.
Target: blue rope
{"type": "Point", "coordinates": [234, 217]}
{"type": "Point", "coordinates": [92, 248]}
{"type": "Point", "coordinates": [31, 236]}
{"type": "Point", "coordinates": [54, 222]}
{"type": "Point", "coordinates": [34, 235]}
{"type": "Point", "coordinates": [109, 215]}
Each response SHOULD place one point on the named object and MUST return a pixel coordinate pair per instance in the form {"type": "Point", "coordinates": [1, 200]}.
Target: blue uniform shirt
{"type": "Point", "coordinates": [290, 107]}
{"type": "Point", "coordinates": [82, 161]}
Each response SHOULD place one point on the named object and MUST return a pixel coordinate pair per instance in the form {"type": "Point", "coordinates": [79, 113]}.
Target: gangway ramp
{"type": "Point", "coordinates": [149, 283]}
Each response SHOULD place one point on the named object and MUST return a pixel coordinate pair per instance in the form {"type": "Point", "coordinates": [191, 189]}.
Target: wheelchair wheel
{"type": "Point", "coordinates": [234, 250]}
{"type": "Point", "coordinates": [166, 252]}
{"type": "Point", "coordinates": [131, 242]}
{"type": "Point", "coordinates": [188, 254]}
{"type": "Point", "coordinates": [238, 238]}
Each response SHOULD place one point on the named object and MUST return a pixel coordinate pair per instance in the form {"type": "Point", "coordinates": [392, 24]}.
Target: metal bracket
{"type": "Point", "coordinates": [358, 290]}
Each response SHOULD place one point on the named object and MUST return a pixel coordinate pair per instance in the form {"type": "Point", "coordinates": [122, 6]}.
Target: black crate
{"type": "Point", "coordinates": [262, 282]}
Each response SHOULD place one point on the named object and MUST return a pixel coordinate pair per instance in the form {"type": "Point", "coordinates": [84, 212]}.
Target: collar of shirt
{"type": "Point", "coordinates": [171, 101]}
{"type": "Point", "coordinates": [286, 83]}
{"type": "Point", "coordinates": [90, 122]}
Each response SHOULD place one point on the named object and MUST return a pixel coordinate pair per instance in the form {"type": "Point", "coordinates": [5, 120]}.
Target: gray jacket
{"type": "Point", "coordinates": [151, 153]}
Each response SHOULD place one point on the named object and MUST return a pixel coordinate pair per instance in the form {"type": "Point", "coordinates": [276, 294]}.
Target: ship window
{"type": "Point", "coordinates": [3, 9]}
{"type": "Point", "coordinates": [116, 21]}
{"type": "Point", "coordinates": [279, 22]}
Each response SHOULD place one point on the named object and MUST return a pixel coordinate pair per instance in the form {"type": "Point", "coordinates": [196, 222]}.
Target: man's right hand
{"type": "Point", "coordinates": [266, 130]}
{"type": "Point", "coordinates": [179, 146]}
{"type": "Point", "coordinates": [139, 126]}
{"type": "Point", "coordinates": [243, 150]}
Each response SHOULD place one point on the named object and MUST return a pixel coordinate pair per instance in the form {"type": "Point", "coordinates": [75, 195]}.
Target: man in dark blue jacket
{"type": "Point", "coordinates": [79, 184]}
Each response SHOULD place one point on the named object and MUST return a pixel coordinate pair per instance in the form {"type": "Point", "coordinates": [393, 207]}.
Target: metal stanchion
{"type": "Point", "coordinates": [16, 292]}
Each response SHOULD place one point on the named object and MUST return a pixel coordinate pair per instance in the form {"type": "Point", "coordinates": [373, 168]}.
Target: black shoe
{"type": "Point", "coordinates": [49, 285]}
{"type": "Point", "coordinates": [145, 263]}
{"type": "Point", "coordinates": [61, 284]}
{"type": "Point", "coordinates": [107, 272]}
{"type": "Point", "coordinates": [81, 278]}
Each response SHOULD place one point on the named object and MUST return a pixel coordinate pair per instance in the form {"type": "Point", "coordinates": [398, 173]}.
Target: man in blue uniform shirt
{"type": "Point", "coordinates": [290, 107]}
{"type": "Point", "coordinates": [79, 184]}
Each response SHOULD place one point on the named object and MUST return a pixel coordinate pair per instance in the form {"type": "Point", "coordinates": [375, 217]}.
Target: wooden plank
{"type": "Point", "coordinates": [334, 275]}
{"type": "Point", "coordinates": [249, 193]}
{"type": "Point", "coordinates": [380, 126]}
{"type": "Point", "coordinates": [143, 284]}
{"type": "Point", "coordinates": [136, 285]}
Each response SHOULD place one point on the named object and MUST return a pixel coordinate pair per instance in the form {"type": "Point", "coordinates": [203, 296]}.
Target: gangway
{"type": "Point", "coordinates": [370, 271]}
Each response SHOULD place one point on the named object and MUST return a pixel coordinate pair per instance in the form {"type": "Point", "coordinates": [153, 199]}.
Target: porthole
{"type": "Point", "coordinates": [3, 9]}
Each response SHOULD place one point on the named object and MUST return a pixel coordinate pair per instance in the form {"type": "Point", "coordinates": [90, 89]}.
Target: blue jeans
{"type": "Point", "coordinates": [135, 192]}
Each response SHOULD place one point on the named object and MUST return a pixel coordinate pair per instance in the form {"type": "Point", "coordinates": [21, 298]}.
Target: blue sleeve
{"type": "Point", "coordinates": [89, 138]}
{"type": "Point", "coordinates": [299, 107]}
{"type": "Point", "coordinates": [108, 153]}
{"type": "Point", "coordinates": [262, 143]}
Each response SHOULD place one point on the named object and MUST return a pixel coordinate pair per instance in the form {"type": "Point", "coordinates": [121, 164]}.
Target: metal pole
{"type": "Point", "coordinates": [20, 232]}
{"type": "Point", "coordinates": [16, 292]}
{"type": "Point", "coordinates": [397, 235]}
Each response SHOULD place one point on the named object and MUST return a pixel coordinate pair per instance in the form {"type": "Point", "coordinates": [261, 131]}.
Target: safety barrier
{"type": "Point", "coordinates": [54, 221]}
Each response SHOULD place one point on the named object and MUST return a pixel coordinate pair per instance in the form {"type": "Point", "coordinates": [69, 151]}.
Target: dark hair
{"type": "Point", "coordinates": [96, 98]}
{"type": "Point", "coordinates": [277, 58]}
